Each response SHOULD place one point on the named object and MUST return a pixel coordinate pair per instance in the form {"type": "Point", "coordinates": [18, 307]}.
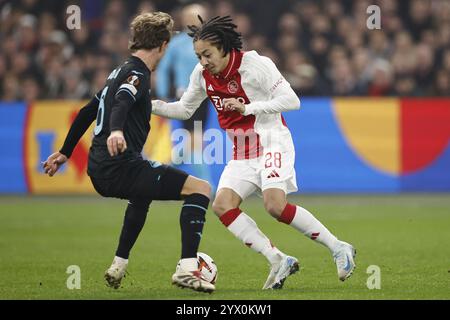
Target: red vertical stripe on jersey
{"type": "Point", "coordinates": [239, 128]}
{"type": "Point", "coordinates": [425, 131]}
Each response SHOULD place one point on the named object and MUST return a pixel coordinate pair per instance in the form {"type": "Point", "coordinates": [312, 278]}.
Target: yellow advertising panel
{"type": "Point", "coordinates": [46, 127]}
{"type": "Point", "coordinates": [159, 144]}
{"type": "Point", "coordinates": [371, 128]}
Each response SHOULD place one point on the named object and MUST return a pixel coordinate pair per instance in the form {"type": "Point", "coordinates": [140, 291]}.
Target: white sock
{"type": "Point", "coordinates": [245, 229]}
{"type": "Point", "coordinates": [302, 220]}
{"type": "Point", "coordinates": [119, 260]}
{"type": "Point", "coordinates": [189, 264]}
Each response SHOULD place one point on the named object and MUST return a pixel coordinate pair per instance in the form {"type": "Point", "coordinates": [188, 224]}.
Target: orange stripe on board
{"type": "Point", "coordinates": [371, 128]}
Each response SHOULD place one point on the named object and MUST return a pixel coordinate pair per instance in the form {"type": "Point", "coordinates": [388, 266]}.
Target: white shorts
{"type": "Point", "coordinates": [274, 169]}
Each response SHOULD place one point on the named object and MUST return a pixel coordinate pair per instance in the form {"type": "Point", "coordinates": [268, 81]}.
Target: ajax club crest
{"type": "Point", "coordinates": [233, 86]}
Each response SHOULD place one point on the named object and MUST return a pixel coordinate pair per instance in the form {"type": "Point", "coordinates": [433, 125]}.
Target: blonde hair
{"type": "Point", "coordinates": [150, 30]}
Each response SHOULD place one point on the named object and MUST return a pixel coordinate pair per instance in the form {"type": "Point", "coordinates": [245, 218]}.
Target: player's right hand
{"type": "Point", "coordinates": [116, 143]}
{"type": "Point", "coordinates": [53, 163]}
{"type": "Point", "coordinates": [158, 103]}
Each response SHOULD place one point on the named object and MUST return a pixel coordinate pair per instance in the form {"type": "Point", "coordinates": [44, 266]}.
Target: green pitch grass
{"type": "Point", "coordinates": [407, 237]}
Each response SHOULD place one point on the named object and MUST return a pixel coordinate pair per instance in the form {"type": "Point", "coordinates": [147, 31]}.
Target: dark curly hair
{"type": "Point", "coordinates": [220, 31]}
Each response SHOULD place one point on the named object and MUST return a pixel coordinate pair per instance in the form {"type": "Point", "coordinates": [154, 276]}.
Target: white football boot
{"type": "Point", "coordinates": [280, 271]}
{"type": "Point", "coordinates": [192, 280]}
{"type": "Point", "coordinates": [343, 256]}
{"type": "Point", "coordinates": [116, 272]}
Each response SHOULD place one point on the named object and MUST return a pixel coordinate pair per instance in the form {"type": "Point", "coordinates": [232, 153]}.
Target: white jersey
{"type": "Point", "coordinates": [263, 155]}
{"type": "Point", "coordinates": [256, 82]}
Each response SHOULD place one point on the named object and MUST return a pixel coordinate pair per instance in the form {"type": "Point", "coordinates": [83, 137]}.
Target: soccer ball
{"type": "Point", "coordinates": [206, 266]}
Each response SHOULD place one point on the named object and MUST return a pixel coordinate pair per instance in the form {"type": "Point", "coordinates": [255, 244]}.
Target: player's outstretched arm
{"type": "Point", "coordinates": [79, 126]}
{"type": "Point", "coordinates": [83, 120]}
{"type": "Point", "coordinates": [172, 110]}
{"type": "Point", "coordinates": [190, 100]}
{"type": "Point", "coordinates": [53, 163]}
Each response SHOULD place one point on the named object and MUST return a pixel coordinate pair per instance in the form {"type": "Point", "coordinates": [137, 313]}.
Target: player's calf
{"type": "Point", "coordinates": [192, 220]}
{"type": "Point", "coordinates": [225, 201]}
{"type": "Point", "coordinates": [221, 207]}
{"type": "Point", "coordinates": [274, 202]}
{"type": "Point", "coordinates": [275, 208]}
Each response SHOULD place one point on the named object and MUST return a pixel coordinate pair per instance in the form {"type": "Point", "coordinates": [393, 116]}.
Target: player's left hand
{"type": "Point", "coordinates": [53, 163]}
{"type": "Point", "coordinates": [232, 104]}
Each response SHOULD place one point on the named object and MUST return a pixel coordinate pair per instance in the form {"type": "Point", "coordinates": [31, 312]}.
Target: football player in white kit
{"type": "Point", "coordinates": [249, 94]}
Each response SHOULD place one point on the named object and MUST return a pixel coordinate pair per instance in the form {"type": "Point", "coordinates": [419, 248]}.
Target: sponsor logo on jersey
{"type": "Point", "coordinates": [210, 88]}
{"type": "Point", "coordinates": [276, 84]}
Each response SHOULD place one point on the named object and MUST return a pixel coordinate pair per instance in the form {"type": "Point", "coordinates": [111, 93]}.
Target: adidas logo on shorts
{"type": "Point", "coordinates": [273, 174]}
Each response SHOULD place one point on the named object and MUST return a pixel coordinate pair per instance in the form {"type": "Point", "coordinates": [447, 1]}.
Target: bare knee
{"type": "Point", "coordinates": [220, 206]}
{"type": "Point", "coordinates": [274, 202]}
{"type": "Point", "coordinates": [275, 208]}
{"type": "Point", "coordinates": [195, 185]}
{"type": "Point", "coordinates": [226, 199]}
{"type": "Point", "coordinates": [204, 188]}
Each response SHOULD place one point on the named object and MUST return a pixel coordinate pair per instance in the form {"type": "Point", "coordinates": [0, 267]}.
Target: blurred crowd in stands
{"type": "Point", "coordinates": [323, 48]}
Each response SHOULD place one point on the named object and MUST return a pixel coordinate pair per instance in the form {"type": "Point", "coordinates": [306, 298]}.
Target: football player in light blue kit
{"type": "Point", "coordinates": [180, 60]}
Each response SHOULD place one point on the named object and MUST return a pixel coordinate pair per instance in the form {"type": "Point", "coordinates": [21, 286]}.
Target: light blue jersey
{"type": "Point", "coordinates": [180, 59]}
